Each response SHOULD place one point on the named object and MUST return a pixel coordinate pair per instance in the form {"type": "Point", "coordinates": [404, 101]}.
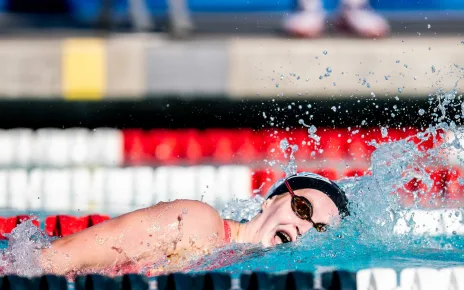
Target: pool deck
{"type": "Point", "coordinates": [134, 66]}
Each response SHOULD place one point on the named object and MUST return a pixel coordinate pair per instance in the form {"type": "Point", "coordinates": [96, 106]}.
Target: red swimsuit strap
{"type": "Point", "coordinates": [227, 232]}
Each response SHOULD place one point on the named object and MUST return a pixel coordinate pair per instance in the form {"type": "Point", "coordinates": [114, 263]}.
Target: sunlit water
{"type": "Point", "coordinates": [365, 239]}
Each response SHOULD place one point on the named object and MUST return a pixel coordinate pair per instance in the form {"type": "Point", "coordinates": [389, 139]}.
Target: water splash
{"type": "Point", "coordinates": [24, 245]}
{"type": "Point", "coordinates": [242, 209]}
{"type": "Point", "coordinates": [289, 150]}
{"type": "Point", "coordinates": [368, 237]}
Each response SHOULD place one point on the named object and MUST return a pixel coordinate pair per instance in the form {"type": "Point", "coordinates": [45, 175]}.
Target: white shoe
{"type": "Point", "coordinates": [305, 23]}
{"type": "Point", "coordinates": [363, 21]}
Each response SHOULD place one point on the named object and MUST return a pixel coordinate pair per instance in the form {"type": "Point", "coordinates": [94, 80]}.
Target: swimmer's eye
{"type": "Point", "coordinates": [283, 237]}
{"type": "Point", "coordinates": [320, 227]}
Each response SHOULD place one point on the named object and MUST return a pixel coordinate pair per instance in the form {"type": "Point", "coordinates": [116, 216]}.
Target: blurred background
{"type": "Point", "coordinates": [111, 105]}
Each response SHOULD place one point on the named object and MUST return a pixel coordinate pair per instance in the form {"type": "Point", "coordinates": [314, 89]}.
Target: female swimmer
{"type": "Point", "coordinates": [171, 233]}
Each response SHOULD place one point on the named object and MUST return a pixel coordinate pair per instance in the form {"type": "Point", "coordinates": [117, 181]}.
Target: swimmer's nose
{"type": "Point", "coordinates": [298, 233]}
{"type": "Point", "coordinates": [304, 228]}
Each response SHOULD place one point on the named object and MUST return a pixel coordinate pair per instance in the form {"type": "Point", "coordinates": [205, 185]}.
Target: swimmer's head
{"type": "Point", "coordinates": [319, 203]}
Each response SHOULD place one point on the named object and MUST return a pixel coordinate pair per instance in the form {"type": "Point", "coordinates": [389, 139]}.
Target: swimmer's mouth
{"type": "Point", "coordinates": [283, 236]}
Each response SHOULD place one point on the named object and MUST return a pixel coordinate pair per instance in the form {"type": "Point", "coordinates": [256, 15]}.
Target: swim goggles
{"type": "Point", "coordinates": [303, 209]}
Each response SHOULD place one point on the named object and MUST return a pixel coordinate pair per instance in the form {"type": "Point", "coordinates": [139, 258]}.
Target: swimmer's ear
{"type": "Point", "coordinates": [264, 205]}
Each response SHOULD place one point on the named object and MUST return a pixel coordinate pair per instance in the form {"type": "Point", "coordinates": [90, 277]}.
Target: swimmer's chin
{"type": "Point", "coordinates": [268, 243]}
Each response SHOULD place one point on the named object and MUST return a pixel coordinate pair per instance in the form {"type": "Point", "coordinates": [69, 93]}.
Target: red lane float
{"type": "Point", "coordinates": [355, 172]}
{"type": "Point", "coordinates": [445, 189]}
{"type": "Point", "coordinates": [327, 173]}
{"type": "Point", "coordinates": [223, 146]}
{"type": "Point", "coordinates": [261, 181]}
{"type": "Point", "coordinates": [64, 225]}
{"type": "Point", "coordinates": [8, 224]}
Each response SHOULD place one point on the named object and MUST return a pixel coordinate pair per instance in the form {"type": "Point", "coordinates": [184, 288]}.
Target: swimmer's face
{"type": "Point", "coordinates": [281, 225]}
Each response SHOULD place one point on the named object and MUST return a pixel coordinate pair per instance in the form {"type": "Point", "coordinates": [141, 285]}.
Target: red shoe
{"type": "Point", "coordinates": [306, 23]}
{"type": "Point", "coordinates": [362, 21]}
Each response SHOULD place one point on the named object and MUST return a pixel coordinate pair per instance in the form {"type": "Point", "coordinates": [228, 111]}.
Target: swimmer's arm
{"type": "Point", "coordinates": [146, 235]}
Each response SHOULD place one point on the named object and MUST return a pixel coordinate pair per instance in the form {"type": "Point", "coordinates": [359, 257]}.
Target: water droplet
{"type": "Point", "coordinates": [329, 69]}
{"type": "Point", "coordinates": [405, 66]}
{"type": "Point", "coordinates": [387, 77]}
{"type": "Point", "coordinates": [384, 132]}
{"type": "Point", "coordinates": [321, 77]}
{"type": "Point", "coordinates": [325, 52]}
{"type": "Point", "coordinates": [396, 98]}
{"type": "Point", "coordinates": [368, 85]}
{"type": "Point", "coordinates": [429, 26]}
{"type": "Point", "coordinates": [277, 85]}
{"type": "Point", "coordinates": [433, 68]}
{"type": "Point", "coordinates": [334, 108]}
{"type": "Point", "coordinates": [421, 112]}
{"type": "Point", "coordinates": [372, 94]}
{"type": "Point", "coordinates": [312, 129]}
{"type": "Point", "coordinates": [298, 78]}
{"type": "Point", "coordinates": [281, 77]}
{"type": "Point", "coordinates": [400, 90]}
{"type": "Point", "coordinates": [334, 84]}
{"type": "Point", "coordinates": [397, 61]}
{"type": "Point", "coordinates": [461, 181]}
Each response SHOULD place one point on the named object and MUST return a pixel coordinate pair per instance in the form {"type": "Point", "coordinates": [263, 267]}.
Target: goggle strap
{"type": "Point", "coordinates": [290, 190]}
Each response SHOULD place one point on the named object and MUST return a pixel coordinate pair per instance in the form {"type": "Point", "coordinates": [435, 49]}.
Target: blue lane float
{"type": "Point", "coordinates": [290, 281]}
{"type": "Point", "coordinates": [367, 279]}
{"type": "Point", "coordinates": [177, 281]}
{"type": "Point", "coordinates": [339, 280]}
{"type": "Point", "coordinates": [47, 282]}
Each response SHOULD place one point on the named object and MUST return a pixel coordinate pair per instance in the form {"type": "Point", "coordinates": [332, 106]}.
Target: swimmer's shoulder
{"type": "Point", "coordinates": [201, 221]}
{"type": "Point", "coordinates": [199, 212]}
{"type": "Point", "coordinates": [199, 209]}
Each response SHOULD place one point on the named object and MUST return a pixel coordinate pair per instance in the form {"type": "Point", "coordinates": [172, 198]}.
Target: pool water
{"type": "Point", "coordinates": [348, 255]}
